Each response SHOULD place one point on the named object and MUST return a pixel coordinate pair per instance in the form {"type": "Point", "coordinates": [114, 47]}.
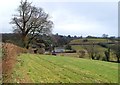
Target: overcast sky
{"type": "Point", "coordinates": [75, 17]}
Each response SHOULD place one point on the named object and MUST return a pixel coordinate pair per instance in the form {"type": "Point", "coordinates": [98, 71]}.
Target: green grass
{"type": "Point", "coordinates": [78, 44]}
{"type": "Point", "coordinates": [98, 48]}
{"type": "Point", "coordinates": [90, 41]}
{"type": "Point", "coordinates": [59, 69]}
{"type": "Point", "coordinates": [77, 47]}
{"type": "Point", "coordinates": [82, 47]}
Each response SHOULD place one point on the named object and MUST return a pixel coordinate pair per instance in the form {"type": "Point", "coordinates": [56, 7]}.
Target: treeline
{"type": "Point", "coordinates": [55, 40]}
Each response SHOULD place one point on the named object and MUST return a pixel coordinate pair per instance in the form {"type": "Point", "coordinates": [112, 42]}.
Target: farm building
{"type": "Point", "coordinates": [59, 49]}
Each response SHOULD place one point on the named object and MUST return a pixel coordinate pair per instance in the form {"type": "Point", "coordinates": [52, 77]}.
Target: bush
{"type": "Point", "coordinates": [97, 57]}
{"type": "Point", "coordinates": [70, 51]}
{"type": "Point", "coordinates": [81, 53]}
{"type": "Point", "coordinates": [107, 54]}
{"type": "Point", "coordinates": [68, 47]}
{"type": "Point", "coordinates": [105, 45]}
{"type": "Point", "coordinates": [103, 59]}
{"type": "Point", "coordinates": [85, 40]}
{"type": "Point", "coordinates": [41, 51]}
{"type": "Point", "coordinates": [47, 53]}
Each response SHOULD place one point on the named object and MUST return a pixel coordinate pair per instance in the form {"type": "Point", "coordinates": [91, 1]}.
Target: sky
{"type": "Point", "coordinates": [70, 17]}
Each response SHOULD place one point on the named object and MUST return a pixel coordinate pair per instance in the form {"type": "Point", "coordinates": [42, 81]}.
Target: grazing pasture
{"type": "Point", "coordinates": [89, 41]}
{"type": "Point", "coordinates": [98, 45]}
{"type": "Point", "coordinates": [36, 68]}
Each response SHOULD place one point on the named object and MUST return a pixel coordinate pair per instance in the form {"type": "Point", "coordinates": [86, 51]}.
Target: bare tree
{"type": "Point", "coordinates": [105, 35]}
{"type": "Point", "coordinates": [92, 52]}
{"type": "Point", "coordinates": [107, 54]}
{"type": "Point", "coordinates": [116, 49]}
{"type": "Point", "coordinates": [30, 22]}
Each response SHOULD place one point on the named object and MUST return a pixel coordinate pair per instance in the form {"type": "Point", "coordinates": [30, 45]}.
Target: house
{"type": "Point", "coordinates": [59, 49]}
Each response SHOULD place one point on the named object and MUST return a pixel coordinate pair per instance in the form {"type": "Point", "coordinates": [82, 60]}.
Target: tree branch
{"type": "Point", "coordinates": [18, 24]}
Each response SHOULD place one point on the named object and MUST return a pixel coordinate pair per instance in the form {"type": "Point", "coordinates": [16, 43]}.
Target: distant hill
{"type": "Point", "coordinates": [99, 45]}
{"type": "Point", "coordinates": [11, 38]}
{"type": "Point", "coordinates": [55, 39]}
{"type": "Point", "coordinates": [90, 41]}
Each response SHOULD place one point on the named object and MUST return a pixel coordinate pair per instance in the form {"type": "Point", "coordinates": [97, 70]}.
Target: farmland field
{"type": "Point", "coordinates": [58, 69]}
{"type": "Point", "coordinates": [82, 47]}
{"type": "Point", "coordinates": [98, 48]}
{"type": "Point", "coordinates": [79, 45]}
{"type": "Point", "coordinates": [89, 41]}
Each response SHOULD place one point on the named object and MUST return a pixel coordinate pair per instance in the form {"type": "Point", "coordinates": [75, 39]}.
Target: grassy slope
{"type": "Point", "coordinates": [51, 69]}
{"type": "Point", "coordinates": [82, 47]}
{"type": "Point", "coordinates": [99, 49]}
{"type": "Point", "coordinates": [80, 41]}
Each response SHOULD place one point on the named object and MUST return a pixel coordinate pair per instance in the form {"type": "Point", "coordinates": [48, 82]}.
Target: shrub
{"type": "Point", "coordinates": [68, 47]}
{"type": "Point", "coordinates": [41, 51]}
{"type": "Point", "coordinates": [105, 45]}
{"type": "Point", "coordinates": [81, 53]}
{"type": "Point", "coordinates": [103, 59]}
{"type": "Point", "coordinates": [98, 57]}
{"type": "Point", "coordinates": [47, 53]}
{"type": "Point", "coordinates": [107, 54]}
{"type": "Point", "coordinates": [85, 40]}
{"type": "Point", "coordinates": [70, 51]}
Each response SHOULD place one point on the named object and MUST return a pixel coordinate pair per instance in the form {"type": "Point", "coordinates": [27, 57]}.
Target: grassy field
{"type": "Point", "coordinates": [58, 69]}
{"type": "Point", "coordinates": [78, 45]}
{"type": "Point", "coordinates": [98, 48]}
{"type": "Point", "coordinates": [82, 47]}
{"type": "Point", "coordinates": [90, 41]}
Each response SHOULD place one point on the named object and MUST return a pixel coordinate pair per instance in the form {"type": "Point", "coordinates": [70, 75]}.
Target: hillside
{"type": "Point", "coordinates": [89, 41]}
{"type": "Point", "coordinates": [55, 69]}
{"type": "Point", "coordinates": [99, 45]}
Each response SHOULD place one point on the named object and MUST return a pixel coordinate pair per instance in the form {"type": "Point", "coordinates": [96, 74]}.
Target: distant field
{"type": "Point", "coordinates": [55, 69]}
{"type": "Point", "coordinates": [79, 44]}
{"type": "Point", "coordinates": [98, 48]}
{"type": "Point", "coordinates": [81, 47]}
{"type": "Point", "coordinates": [90, 41]}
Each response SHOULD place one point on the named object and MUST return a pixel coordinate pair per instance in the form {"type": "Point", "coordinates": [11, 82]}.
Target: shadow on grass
{"type": "Point", "coordinates": [113, 61]}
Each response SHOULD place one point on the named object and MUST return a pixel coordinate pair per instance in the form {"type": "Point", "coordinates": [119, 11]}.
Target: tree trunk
{"type": "Point", "coordinates": [118, 59]}
{"type": "Point", "coordinates": [24, 39]}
